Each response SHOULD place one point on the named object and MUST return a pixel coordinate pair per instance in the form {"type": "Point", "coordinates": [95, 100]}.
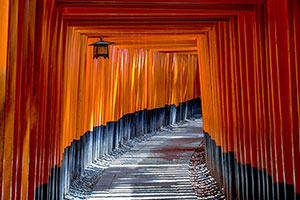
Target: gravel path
{"type": "Point", "coordinates": [203, 183]}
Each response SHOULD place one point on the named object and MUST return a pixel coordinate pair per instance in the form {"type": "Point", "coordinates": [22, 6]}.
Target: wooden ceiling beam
{"type": "Point", "coordinates": [145, 31]}
{"type": "Point", "coordinates": [142, 11]}
{"type": "Point", "coordinates": [159, 25]}
{"type": "Point", "coordinates": [161, 45]}
{"type": "Point", "coordinates": [144, 14]}
{"type": "Point", "coordinates": [159, 38]}
{"type": "Point", "coordinates": [182, 35]}
{"type": "Point", "coordinates": [116, 18]}
{"type": "Point", "coordinates": [162, 42]}
{"type": "Point", "coordinates": [175, 49]}
{"type": "Point", "coordinates": [87, 24]}
{"type": "Point", "coordinates": [161, 49]}
{"type": "Point", "coordinates": [177, 2]}
{"type": "Point", "coordinates": [181, 52]}
{"type": "Point", "coordinates": [191, 6]}
{"type": "Point", "coordinates": [143, 27]}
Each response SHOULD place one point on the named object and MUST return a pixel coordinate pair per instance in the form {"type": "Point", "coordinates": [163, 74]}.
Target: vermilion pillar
{"type": "Point", "coordinates": [252, 64]}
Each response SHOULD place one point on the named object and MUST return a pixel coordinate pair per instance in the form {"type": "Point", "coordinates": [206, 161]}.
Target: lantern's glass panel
{"type": "Point", "coordinates": [95, 51]}
{"type": "Point", "coordinates": [102, 49]}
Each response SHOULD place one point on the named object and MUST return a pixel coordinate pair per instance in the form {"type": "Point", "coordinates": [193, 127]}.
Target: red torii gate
{"type": "Point", "coordinates": [248, 72]}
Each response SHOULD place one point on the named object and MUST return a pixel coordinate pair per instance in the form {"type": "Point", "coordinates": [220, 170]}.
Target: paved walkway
{"type": "Point", "coordinates": [153, 169]}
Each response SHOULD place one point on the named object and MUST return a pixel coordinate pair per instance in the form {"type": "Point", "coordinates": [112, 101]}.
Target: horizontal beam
{"type": "Point", "coordinates": [191, 6]}
{"type": "Point", "coordinates": [97, 35]}
{"type": "Point", "coordinates": [116, 18]}
{"type": "Point", "coordinates": [169, 38]}
{"type": "Point", "coordinates": [181, 52]}
{"type": "Point", "coordinates": [151, 46]}
{"type": "Point", "coordinates": [142, 12]}
{"type": "Point", "coordinates": [177, 35]}
{"type": "Point", "coordinates": [177, 2]}
{"type": "Point", "coordinates": [144, 27]}
{"type": "Point", "coordinates": [121, 21]}
{"type": "Point", "coordinates": [153, 42]}
{"type": "Point", "coordinates": [87, 24]}
{"type": "Point", "coordinates": [174, 49]}
{"type": "Point", "coordinates": [150, 31]}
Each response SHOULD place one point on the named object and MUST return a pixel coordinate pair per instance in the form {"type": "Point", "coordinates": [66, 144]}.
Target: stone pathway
{"type": "Point", "coordinates": [81, 187]}
{"type": "Point", "coordinates": [154, 169]}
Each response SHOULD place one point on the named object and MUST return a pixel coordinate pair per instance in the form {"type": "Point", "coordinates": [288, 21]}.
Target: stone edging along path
{"type": "Point", "coordinates": [203, 183]}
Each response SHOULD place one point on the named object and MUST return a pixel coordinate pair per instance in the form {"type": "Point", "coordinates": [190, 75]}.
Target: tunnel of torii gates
{"type": "Point", "coordinates": [60, 108]}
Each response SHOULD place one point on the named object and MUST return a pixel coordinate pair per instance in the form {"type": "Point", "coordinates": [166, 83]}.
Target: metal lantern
{"type": "Point", "coordinates": [101, 49]}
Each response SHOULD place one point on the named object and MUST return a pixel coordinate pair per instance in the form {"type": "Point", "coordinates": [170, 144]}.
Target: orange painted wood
{"type": "Point", "coordinates": [241, 57]}
{"type": "Point", "coordinates": [4, 15]}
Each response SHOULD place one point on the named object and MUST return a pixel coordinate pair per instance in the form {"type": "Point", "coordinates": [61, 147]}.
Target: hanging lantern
{"type": "Point", "coordinates": [101, 49]}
